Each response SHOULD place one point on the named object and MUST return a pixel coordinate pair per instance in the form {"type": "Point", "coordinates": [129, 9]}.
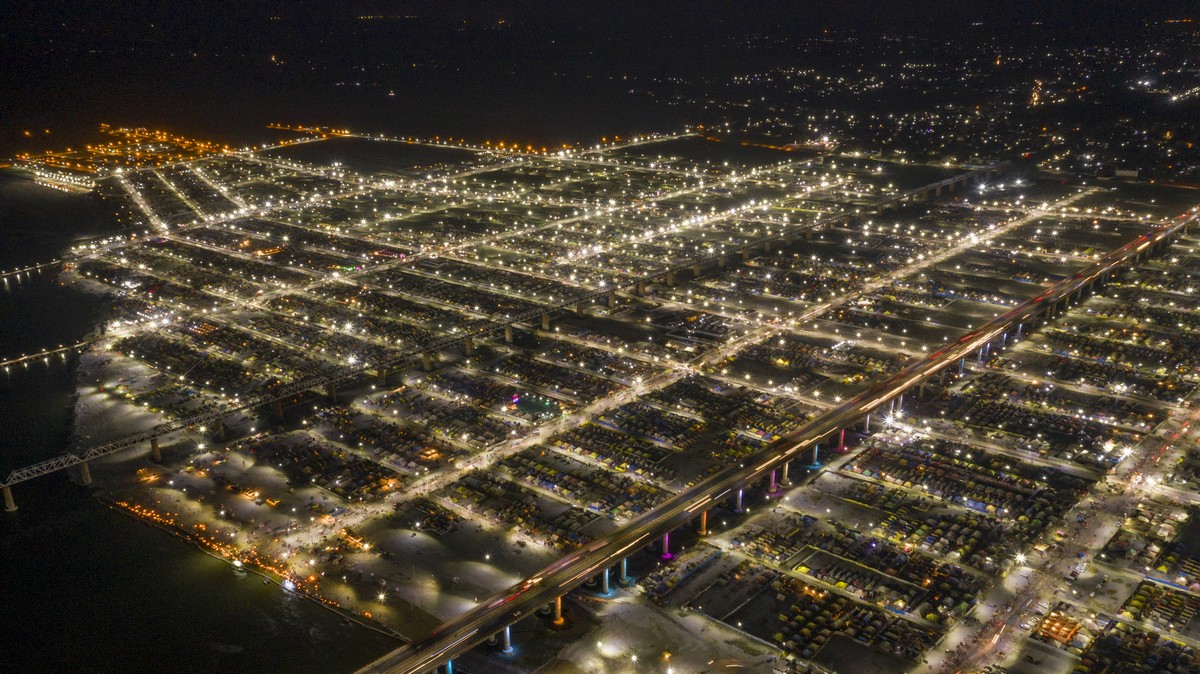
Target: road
{"type": "Point", "coordinates": [472, 627]}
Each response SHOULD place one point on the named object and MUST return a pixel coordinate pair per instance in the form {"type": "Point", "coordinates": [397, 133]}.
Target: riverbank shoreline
{"type": "Point", "coordinates": [176, 532]}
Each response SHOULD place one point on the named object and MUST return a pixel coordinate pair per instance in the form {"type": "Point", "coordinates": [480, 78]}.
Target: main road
{"type": "Point", "coordinates": [469, 629]}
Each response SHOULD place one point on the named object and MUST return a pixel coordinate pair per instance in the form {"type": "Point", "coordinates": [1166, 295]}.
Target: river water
{"type": "Point", "coordinates": [85, 588]}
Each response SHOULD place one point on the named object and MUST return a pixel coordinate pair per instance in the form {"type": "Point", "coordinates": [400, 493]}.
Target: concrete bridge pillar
{"type": "Point", "coordinates": [381, 377]}
{"type": "Point", "coordinates": [745, 255]}
{"type": "Point", "coordinates": [85, 474]}
{"type": "Point", "coordinates": [508, 337]}
{"type": "Point", "coordinates": [767, 248]}
{"type": "Point", "coordinates": [641, 288]}
{"type": "Point", "coordinates": [9, 504]}
{"type": "Point", "coordinates": [808, 235]}
{"type": "Point", "coordinates": [612, 302]}
{"type": "Point", "coordinates": [773, 487]}
{"type": "Point", "coordinates": [331, 392]}
{"type": "Point", "coordinates": [721, 262]}
{"type": "Point", "coordinates": [666, 545]}
{"type": "Point", "coordinates": [155, 453]}
{"type": "Point", "coordinates": [841, 447]}
{"type": "Point", "coordinates": [558, 617]}
{"type": "Point", "coordinates": [469, 346]}
{"type": "Point", "coordinates": [577, 308]}
{"type": "Point", "coordinates": [670, 279]}
{"type": "Point", "coordinates": [737, 507]}
{"type": "Point", "coordinates": [507, 639]}
{"type": "Point", "coordinates": [545, 321]}
{"type": "Point", "coordinates": [604, 588]}
{"type": "Point", "coordinates": [427, 361]}
{"type": "Point", "coordinates": [703, 529]}
{"type": "Point", "coordinates": [624, 577]}
{"type": "Point", "coordinates": [277, 409]}
{"type": "Point", "coordinates": [787, 465]}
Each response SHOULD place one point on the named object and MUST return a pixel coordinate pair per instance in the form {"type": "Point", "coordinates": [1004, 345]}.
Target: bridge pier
{"type": "Point", "coordinates": [786, 467]}
{"type": "Point", "coordinates": [577, 308]}
{"type": "Point", "coordinates": [808, 235]}
{"type": "Point", "coordinates": [381, 377]}
{"type": "Point", "coordinates": [220, 430]}
{"type": "Point", "coordinates": [746, 255]}
{"type": "Point", "coordinates": [703, 530]}
{"type": "Point", "coordinates": [695, 271]}
{"type": "Point", "coordinates": [469, 346]}
{"type": "Point", "coordinates": [546, 321]}
{"type": "Point", "coordinates": [331, 392]}
{"type": "Point", "coordinates": [9, 504]}
{"type": "Point", "coordinates": [767, 248]}
{"type": "Point", "coordinates": [447, 668]}
{"type": "Point", "coordinates": [721, 261]}
{"type": "Point", "coordinates": [670, 280]}
{"type": "Point", "coordinates": [641, 288]}
{"type": "Point", "coordinates": [612, 300]}
{"type": "Point", "coordinates": [155, 453]}
{"type": "Point", "coordinates": [85, 474]}
{"type": "Point", "coordinates": [508, 335]}
{"type": "Point", "coordinates": [558, 617]}
{"type": "Point", "coordinates": [666, 545]}
{"type": "Point", "coordinates": [773, 487]}
{"type": "Point", "coordinates": [604, 588]}
{"type": "Point", "coordinates": [277, 409]}
{"type": "Point", "coordinates": [427, 361]}
{"type": "Point", "coordinates": [867, 423]}
{"type": "Point", "coordinates": [737, 508]}
{"type": "Point", "coordinates": [624, 577]}
{"type": "Point", "coordinates": [507, 639]}
{"type": "Point", "coordinates": [841, 447]}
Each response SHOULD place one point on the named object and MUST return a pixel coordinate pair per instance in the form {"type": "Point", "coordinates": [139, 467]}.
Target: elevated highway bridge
{"type": "Point", "coordinates": [494, 615]}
